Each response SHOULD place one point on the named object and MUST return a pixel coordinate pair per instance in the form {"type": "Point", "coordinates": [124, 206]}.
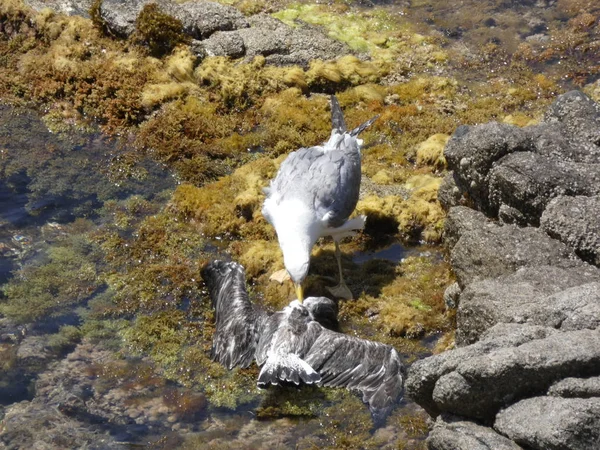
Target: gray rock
{"type": "Point", "coordinates": [201, 19]}
{"type": "Point", "coordinates": [449, 194]}
{"type": "Point", "coordinates": [552, 423]}
{"type": "Point", "coordinates": [462, 219]}
{"type": "Point", "coordinates": [472, 150]}
{"type": "Point", "coordinates": [576, 387]}
{"type": "Point", "coordinates": [67, 7]}
{"type": "Point", "coordinates": [455, 433]}
{"type": "Point", "coordinates": [527, 181]}
{"type": "Point", "coordinates": [120, 15]}
{"type": "Point", "coordinates": [488, 250]}
{"type": "Point", "coordinates": [33, 350]}
{"type": "Point", "coordinates": [481, 385]}
{"type": "Point", "coordinates": [572, 220]}
{"type": "Point", "coordinates": [423, 374]}
{"type": "Point", "coordinates": [225, 43]}
{"type": "Point", "coordinates": [542, 295]}
{"type": "Point", "coordinates": [451, 295]}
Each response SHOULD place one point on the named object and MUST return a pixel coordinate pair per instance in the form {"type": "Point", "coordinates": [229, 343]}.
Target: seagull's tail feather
{"type": "Point", "coordinates": [288, 368]}
{"type": "Point", "coordinates": [362, 127]}
{"type": "Point", "coordinates": [337, 116]}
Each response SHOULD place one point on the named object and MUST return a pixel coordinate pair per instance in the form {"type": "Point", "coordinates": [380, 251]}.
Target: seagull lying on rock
{"type": "Point", "coordinates": [293, 345]}
{"type": "Point", "coordinates": [312, 196]}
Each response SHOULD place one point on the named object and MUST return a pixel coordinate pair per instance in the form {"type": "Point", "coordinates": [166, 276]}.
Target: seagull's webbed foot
{"type": "Point", "coordinates": [341, 291]}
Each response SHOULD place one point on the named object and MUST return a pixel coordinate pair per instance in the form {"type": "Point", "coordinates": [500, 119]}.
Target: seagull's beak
{"type": "Point", "coordinates": [299, 291]}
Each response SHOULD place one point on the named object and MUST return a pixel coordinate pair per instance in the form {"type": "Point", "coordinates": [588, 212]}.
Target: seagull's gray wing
{"type": "Point", "coordinates": [238, 324]}
{"type": "Point", "coordinates": [370, 367]}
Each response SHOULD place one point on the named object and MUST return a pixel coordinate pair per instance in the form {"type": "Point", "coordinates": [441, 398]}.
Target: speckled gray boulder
{"type": "Point", "coordinates": [472, 151]}
{"type": "Point", "coordinates": [201, 19]}
{"type": "Point", "coordinates": [224, 43]}
{"type": "Point", "coordinates": [481, 385]}
{"type": "Point", "coordinates": [455, 433]}
{"type": "Point", "coordinates": [552, 423]}
{"type": "Point", "coordinates": [576, 387]}
{"type": "Point", "coordinates": [120, 15]}
{"type": "Point", "coordinates": [488, 250]}
{"type": "Point", "coordinates": [424, 374]}
{"type": "Point", "coordinates": [513, 173]}
{"type": "Point", "coordinates": [572, 220]}
{"type": "Point", "coordinates": [527, 181]}
{"type": "Point", "coordinates": [562, 298]}
{"type": "Point", "coordinates": [68, 7]}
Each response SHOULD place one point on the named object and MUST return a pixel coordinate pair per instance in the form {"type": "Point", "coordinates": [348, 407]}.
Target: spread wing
{"type": "Point", "coordinates": [370, 367]}
{"type": "Point", "coordinates": [238, 324]}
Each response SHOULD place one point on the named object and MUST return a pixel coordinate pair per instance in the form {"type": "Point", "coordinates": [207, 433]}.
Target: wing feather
{"type": "Point", "coordinates": [370, 367]}
{"type": "Point", "coordinates": [237, 323]}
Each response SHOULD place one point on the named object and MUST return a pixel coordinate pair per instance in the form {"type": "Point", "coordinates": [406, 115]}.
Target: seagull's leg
{"type": "Point", "coordinates": [341, 290]}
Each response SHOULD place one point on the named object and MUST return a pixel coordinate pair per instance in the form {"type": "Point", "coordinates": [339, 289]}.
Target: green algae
{"type": "Point", "coordinates": [49, 286]}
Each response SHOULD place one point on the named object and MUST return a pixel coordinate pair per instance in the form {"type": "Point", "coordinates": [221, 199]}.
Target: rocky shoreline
{"type": "Point", "coordinates": [526, 370]}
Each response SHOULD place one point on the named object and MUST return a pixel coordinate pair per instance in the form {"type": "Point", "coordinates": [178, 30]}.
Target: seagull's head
{"type": "Point", "coordinates": [297, 267]}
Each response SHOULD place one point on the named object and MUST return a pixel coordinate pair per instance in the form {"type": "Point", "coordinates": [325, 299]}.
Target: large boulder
{"type": "Point", "coordinates": [424, 374]}
{"type": "Point", "coordinates": [511, 362]}
{"type": "Point", "coordinates": [489, 250]}
{"type": "Point", "coordinates": [552, 423]}
{"type": "Point", "coordinates": [513, 173]}
{"type": "Point", "coordinates": [572, 221]}
{"type": "Point", "coordinates": [564, 298]}
{"type": "Point", "coordinates": [527, 181]}
{"type": "Point", "coordinates": [455, 433]}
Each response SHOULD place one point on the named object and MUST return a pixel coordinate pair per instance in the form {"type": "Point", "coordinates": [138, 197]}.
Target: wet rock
{"type": "Point", "coordinates": [488, 250]}
{"type": "Point", "coordinates": [423, 374]}
{"type": "Point", "coordinates": [568, 219]}
{"type": "Point", "coordinates": [576, 387]}
{"type": "Point", "coordinates": [564, 298]}
{"type": "Point", "coordinates": [528, 181]}
{"type": "Point", "coordinates": [455, 433]}
{"type": "Point", "coordinates": [36, 425]}
{"type": "Point", "coordinates": [32, 350]}
{"type": "Point", "coordinates": [481, 385]}
{"type": "Point", "coordinates": [552, 423]}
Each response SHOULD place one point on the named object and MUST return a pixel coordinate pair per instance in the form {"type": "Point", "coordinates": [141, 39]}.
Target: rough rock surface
{"type": "Point", "coordinates": [552, 423]}
{"type": "Point", "coordinates": [424, 374]}
{"type": "Point", "coordinates": [488, 250]}
{"type": "Point", "coordinates": [576, 387]}
{"type": "Point", "coordinates": [514, 172]}
{"type": "Point", "coordinates": [455, 433]}
{"type": "Point", "coordinates": [528, 317]}
{"type": "Point", "coordinates": [568, 219]}
{"type": "Point", "coordinates": [551, 296]}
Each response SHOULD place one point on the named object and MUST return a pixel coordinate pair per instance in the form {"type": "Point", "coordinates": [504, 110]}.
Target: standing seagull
{"type": "Point", "coordinates": [312, 196]}
{"type": "Point", "coordinates": [294, 345]}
